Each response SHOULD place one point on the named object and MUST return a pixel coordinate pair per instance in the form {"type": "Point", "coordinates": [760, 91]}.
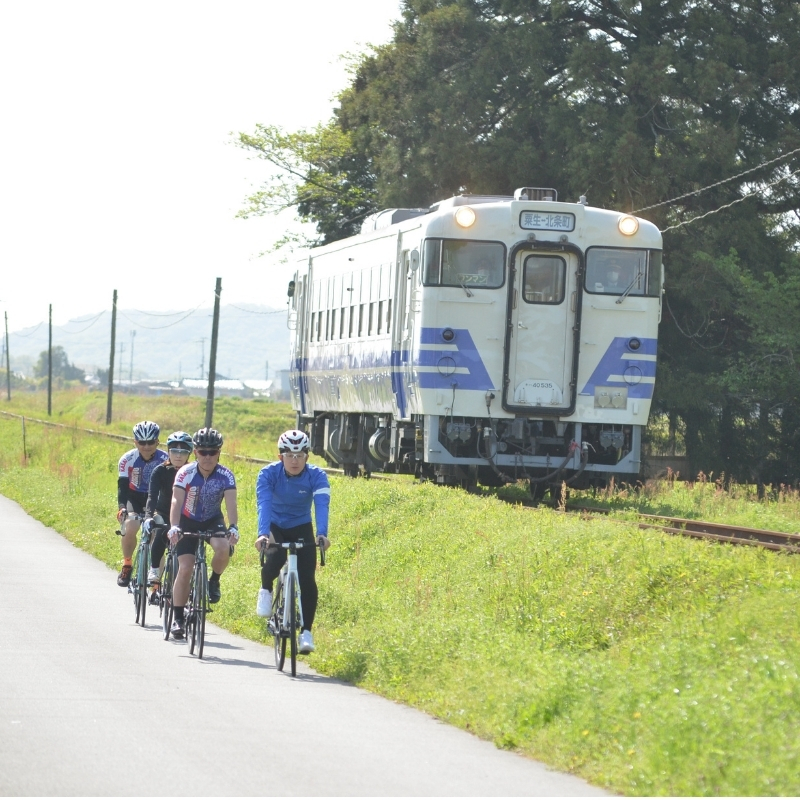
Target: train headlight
{"type": "Point", "coordinates": [465, 216]}
{"type": "Point", "coordinates": [628, 225]}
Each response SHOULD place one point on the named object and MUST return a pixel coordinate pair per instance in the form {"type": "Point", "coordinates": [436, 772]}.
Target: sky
{"type": "Point", "coordinates": [117, 168]}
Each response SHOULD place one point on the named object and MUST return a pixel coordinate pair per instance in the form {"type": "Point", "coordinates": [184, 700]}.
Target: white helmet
{"type": "Point", "coordinates": [293, 442]}
{"type": "Point", "coordinates": [146, 431]}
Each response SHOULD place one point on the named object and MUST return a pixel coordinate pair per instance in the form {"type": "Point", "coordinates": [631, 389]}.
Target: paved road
{"type": "Point", "coordinates": [91, 704]}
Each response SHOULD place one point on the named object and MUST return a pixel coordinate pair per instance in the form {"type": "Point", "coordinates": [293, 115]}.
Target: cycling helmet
{"type": "Point", "coordinates": [146, 431]}
{"type": "Point", "coordinates": [207, 437]}
{"type": "Point", "coordinates": [180, 440]}
{"type": "Point", "coordinates": [293, 442]}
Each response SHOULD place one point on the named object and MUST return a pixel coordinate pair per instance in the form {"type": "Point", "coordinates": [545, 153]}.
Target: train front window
{"type": "Point", "coordinates": [543, 280]}
{"type": "Point", "coordinates": [454, 262]}
{"type": "Point", "coordinates": [612, 270]}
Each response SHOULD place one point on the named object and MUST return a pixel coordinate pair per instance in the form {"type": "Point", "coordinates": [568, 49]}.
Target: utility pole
{"type": "Point", "coordinates": [212, 359]}
{"type": "Point", "coordinates": [130, 377]}
{"type": "Point", "coordinates": [8, 362]}
{"type": "Point", "coordinates": [202, 358]}
{"type": "Point", "coordinates": [111, 358]}
{"type": "Point", "coordinates": [50, 365]}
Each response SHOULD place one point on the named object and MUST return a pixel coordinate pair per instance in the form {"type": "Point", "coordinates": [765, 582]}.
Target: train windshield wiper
{"type": "Point", "coordinates": [635, 282]}
{"type": "Point", "coordinates": [469, 293]}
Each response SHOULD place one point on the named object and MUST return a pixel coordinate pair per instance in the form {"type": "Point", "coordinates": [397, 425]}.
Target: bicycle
{"type": "Point", "coordinates": [165, 609]}
{"type": "Point", "coordinates": [287, 611]}
{"type": "Point", "coordinates": [140, 567]}
{"type": "Point", "coordinates": [197, 606]}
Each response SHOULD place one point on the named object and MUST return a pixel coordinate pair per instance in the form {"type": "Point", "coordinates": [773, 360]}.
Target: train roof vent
{"type": "Point", "coordinates": [389, 216]}
{"type": "Point", "coordinates": [536, 193]}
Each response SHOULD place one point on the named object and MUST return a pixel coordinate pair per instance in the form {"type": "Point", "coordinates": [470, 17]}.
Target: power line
{"type": "Point", "coordinates": [93, 321]}
{"type": "Point", "coordinates": [719, 183]}
{"type": "Point", "coordinates": [26, 335]}
{"type": "Point", "coordinates": [247, 310]}
{"type": "Point", "coordinates": [732, 203]}
{"type": "Point", "coordinates": [160, 327]}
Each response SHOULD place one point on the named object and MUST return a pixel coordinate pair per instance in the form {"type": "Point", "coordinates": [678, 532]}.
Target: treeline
{"type": "Point", "coordinates": [632, 104]}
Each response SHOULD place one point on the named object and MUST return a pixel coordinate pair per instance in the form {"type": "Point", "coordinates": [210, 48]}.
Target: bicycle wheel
{"type": "Point", "coordinates": [165, 601]}
{"type": "Point", "coordinates": [277, 624]}
{"type": "Point", "coordinates": [291, 599]}
{"type": "Point", "coordinates": [141, 582]}
{"type": "Point", "coordinates": [197, 602]}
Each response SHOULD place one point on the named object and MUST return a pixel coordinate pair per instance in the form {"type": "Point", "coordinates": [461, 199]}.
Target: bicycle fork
{"type": "Point", "coordinates": [287, 610]}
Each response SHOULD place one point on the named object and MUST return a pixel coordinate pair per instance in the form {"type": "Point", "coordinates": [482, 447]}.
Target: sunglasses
{"type": "Point", "coordinates": [147, 442]}
{"type": "Point", "coordinates": [179, 451]}
{"type": "Point", "coordinates": [207, 452]}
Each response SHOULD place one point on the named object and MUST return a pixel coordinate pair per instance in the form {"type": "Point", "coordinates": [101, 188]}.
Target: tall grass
{"type": "Point", "coordinates": [648, 664]}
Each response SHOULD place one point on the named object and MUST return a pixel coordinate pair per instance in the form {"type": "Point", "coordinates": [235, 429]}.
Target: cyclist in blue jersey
{"type": "Point", "coordinates": [135, 468]}
{"type": "Point", "coordinates": [285, 492]}
{"type": "Point", "coordinates": [197, 495]}
{"type": "Point", "coordinates": [159, 501]}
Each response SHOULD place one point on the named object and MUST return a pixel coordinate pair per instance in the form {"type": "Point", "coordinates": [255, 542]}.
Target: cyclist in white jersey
{"type": "Point", "coordinates": [133, 481]}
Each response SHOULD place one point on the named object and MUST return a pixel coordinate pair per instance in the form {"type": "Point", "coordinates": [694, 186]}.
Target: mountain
{"type": "Point", "coordinates": [166, 345]}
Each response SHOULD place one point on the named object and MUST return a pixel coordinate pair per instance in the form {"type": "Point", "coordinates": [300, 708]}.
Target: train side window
{"type": "Point", "coordinates": [333, 323]}
{"type": "Point", "coordinates": [616, 270]}
{"type": "Point", "coordinates": [388, 316]}
{"type": "Point", "coordinates": [313, 323]}
{"type": "Point", "coordinates": [361, 320]}
{"type": "Point", "coordinates": [319, 325]}
{"type": "Point", "coordinates": [432, 262]}
{"type": "Point", "coordinates": [544, 279]}
{"type": "Point", "coordinates": [372, 318]}
{"type": "Point", "coordinates": [352, 328]}
{"type": "Point", "coordinates": [342, 315]}
{"type": "Point", "coordinates": [655, 274]}
{"type": "Point", "coordinates": [380, 318]}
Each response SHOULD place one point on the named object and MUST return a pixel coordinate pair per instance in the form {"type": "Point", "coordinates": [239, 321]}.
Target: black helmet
{"type": "Point", "coordinates": [207, 437]}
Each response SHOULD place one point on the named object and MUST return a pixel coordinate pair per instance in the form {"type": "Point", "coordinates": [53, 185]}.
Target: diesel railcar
{"type": "Point", "coordinates": [481, 340]}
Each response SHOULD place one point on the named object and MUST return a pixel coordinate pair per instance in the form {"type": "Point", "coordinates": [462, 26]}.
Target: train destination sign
{"type": "Point", "coordinates": [546, 221]}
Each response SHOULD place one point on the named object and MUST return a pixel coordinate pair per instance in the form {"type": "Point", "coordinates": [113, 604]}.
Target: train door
{"type": "Point", "coordinates": [541, 340]}
{"type": "Point", "coordinates": [300, 303]}
{"type": "Point", "coordinates": [405, 307]}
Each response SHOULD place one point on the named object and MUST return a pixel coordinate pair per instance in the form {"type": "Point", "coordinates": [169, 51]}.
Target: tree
{"type": "Point", "coordinates": [632, 103]}
{"type": "Point", "coordinates": [61, 366]}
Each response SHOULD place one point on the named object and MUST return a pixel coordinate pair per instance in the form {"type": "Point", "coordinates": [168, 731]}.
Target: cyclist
{"type": "Point", "coordinates": [135, 468]}
{"type": "Point", "coordinates": [285, 491]}
{"type": "Point", "coordinates": [159, 498]}
{"type": "Point", "coordinates": [197, 496]}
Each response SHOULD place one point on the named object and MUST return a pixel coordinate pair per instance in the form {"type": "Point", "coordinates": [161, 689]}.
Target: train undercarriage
{"type": "Point", "coordinates": [467, 451]}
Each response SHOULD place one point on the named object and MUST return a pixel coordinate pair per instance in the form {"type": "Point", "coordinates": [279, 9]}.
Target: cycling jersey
{"type": "Point", "coordinates": [159, 496]}
{"type": "Point", "coordinates": [203, 495]}
{"type": "Point", "coordinates": [134, 475]}
{"type": "Point", "coordinates": [286, 500]}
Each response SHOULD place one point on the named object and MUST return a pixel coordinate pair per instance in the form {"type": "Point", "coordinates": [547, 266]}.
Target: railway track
{"type": "Point", "coordinates": [712, 531]}
{"type": "Point", "coordinates": [698, 529]}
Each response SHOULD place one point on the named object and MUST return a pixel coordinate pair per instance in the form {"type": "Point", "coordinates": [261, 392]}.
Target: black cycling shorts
{"type": "Point", "coordinates": [187, 545]}
{"type": "Point", "coordinates": [136, 503]}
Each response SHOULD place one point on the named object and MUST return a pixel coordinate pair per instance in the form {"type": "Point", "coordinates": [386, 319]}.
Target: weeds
{"type": "Point", "coordinates": [647, 664]}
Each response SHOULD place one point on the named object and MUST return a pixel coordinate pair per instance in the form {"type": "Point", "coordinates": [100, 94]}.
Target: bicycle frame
{"type": "Point", "coordinates": [290, 569]}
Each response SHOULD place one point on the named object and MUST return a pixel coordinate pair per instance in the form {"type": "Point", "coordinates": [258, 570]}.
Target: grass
{"type": "Point", "coordinates": [650, 665]}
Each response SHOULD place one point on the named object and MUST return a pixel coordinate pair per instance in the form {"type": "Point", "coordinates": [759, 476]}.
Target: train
{"type": "Point", "coordinates": [482, 340]}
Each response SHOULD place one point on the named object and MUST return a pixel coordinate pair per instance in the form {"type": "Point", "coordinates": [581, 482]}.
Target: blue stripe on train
{"type": "Point", "coordinates": [620, 361]}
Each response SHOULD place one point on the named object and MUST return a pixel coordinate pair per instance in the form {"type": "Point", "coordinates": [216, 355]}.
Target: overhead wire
{"type": "Point", "coordinates": [732, 203]}
{"type": "Point", "coordinates": [93, 321]}
{"type": "Point", "coordinates": [159, 327]}
{"type": "Point", "coordinates": [718, 183]}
